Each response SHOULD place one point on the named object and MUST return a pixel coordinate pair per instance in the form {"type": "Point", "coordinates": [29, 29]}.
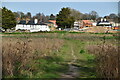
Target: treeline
{"type": "Point", "coordinates": [64, 19]}
{"type": "Point", "coordinates": [40, 16]}
{"type": "Point", "coordinates": [44, 18]}
{"type": "Point", "coordinates": [93, 15]}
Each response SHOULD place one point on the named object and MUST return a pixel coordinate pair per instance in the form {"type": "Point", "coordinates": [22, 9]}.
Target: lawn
{"type": "Point", "coordinates": [53, 54]}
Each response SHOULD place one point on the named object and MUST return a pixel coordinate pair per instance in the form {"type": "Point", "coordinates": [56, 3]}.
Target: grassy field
{"type": "Point", "coordinates": [59, 55]}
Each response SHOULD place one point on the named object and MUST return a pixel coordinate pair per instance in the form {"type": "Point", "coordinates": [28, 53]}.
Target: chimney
{"type": "Point", "coordinates": [35, 21]}
{"type": "Point", "coordinates": [101, 19]}
{"type": "Point", "coordinates": [105, 19]}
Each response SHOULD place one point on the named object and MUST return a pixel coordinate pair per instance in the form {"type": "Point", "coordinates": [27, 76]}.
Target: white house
{"type": "Point", "coordinates": [115, 24]}
{"type": "Point", "coordinates": [104, 23]}
{"type": "Point", "coordinates": [77, 24]}
{"type": "Point", "coordinates": [32, 26]}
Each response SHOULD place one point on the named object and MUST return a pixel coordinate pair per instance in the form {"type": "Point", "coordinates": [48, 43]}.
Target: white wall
{"type": "Point", "coordinates": [76, 23]}
{"type": "Point", "coordinates": [32, 27]}
{"type": "Point", "coordinates": [94, 24]}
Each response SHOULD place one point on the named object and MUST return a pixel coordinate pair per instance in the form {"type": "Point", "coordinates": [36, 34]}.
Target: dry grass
{"type": "Point", "coordinates": [22, 51]}
{"type": "Point", "coordinates": [97, 29]}
{"type": "Point", "coordinates": [106, 58]}
{"type": "Point", "coordinates": [19, 52]}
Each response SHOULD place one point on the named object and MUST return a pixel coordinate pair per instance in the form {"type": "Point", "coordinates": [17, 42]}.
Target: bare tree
{"type": "Point", "coordinates": [76, 14]}
{"type": "Point", "coordinates": [28, 15]}
{"type": "Point", "coordinates": [94, 15]}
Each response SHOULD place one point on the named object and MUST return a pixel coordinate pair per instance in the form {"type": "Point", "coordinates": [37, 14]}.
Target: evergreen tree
{"type": "Point", "coordinates": [64, 19]}
{"type": "Point", "coordinates": [8, 19]}
{"type": "Point", "coordinates": [0, 17]}
{"type": "Point", "coordinates": [28, 15]}
{"type": "Point", "coordinates": [52, 17]}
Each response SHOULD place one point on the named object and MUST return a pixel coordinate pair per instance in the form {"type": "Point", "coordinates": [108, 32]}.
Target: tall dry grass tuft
{"type": "Point", "coordinates": [106, 58]}
{"type": "Point", "coordinates": [19, 52]}
{"type": "Point", "coordinates": [16, 54]}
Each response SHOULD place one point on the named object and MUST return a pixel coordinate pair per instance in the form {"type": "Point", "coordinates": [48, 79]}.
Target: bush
{"type": "Point", "coordinates": [82, 51]}
{"type": "Point", "coordinates": [106, 58]}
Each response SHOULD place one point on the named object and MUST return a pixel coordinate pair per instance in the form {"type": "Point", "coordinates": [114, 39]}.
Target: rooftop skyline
{"type": "Point", "coordinates": [102, 8]}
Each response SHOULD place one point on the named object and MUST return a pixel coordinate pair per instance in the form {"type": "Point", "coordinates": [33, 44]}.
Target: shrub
{"type": "Point", "coordinates": [82, 51]}
{"type": "Point", "coordinates": [107, 59]}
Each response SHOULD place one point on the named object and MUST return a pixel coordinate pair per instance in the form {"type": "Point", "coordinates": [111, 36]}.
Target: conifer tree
{"type": "Point", "coordinates": [8, 19]}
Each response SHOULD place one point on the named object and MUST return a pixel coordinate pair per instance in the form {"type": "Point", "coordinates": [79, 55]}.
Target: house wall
{"type": "Point", "coordinates": [94, 24]}
{"type": "Point", "coordinates": [87, 24]}
{"type": "Point", "coordinates": [32, 28]}
{"type": "Point", "coordinates": [77, 24]}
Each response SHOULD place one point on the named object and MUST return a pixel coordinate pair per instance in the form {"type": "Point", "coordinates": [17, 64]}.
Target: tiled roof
{"type": "Point", "coordinates": [50, 22]}
{"type": "Point", "coordinates": [87, 21]}
{"type": "Point", "coordinates": [31, 22]}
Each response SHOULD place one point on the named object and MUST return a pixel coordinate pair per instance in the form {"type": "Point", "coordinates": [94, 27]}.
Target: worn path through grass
{"type": "Point", "coordinates": [77, 58]}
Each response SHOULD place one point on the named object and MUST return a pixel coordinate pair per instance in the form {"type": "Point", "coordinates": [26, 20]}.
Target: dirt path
{"type": "Point", "coordinates": [73, 70]}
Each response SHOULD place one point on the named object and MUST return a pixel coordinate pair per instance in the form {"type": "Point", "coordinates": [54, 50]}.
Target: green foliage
{"type": "Point", "coordinates": [82, 51]}
{"type": "Point", "coordinates": [52, 17]}
{"type": "Point", "coordinates": [8, 19]}
{"type": "Point", "coordinates": [28, 15]}
{"type": "Point", "coordinates": [0, 17]}
{"type": "Point", "coordinates": [47, 67]}
{"type": "Point", "coordinates": [64, 19]}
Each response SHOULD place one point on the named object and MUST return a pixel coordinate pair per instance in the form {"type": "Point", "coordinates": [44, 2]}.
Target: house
{"type": "Point", "coordinates": [54, 22]}
{"type": "Point", "coordinates": [77, 24]}
{"type": "Point", "coordinates": [94, 23]}
{"type": "Point", "coordinates": [51, 26]}
{"type": "Point", "coordinates": [83, 23]}
{"type": "Point", "coordinates": [86, 23]}
{"type": "Point", "coordinates": [32, 26]}
{"type": "Point", "coordinates": [104, 23]}
{"type": "Point", "coordinates": [115, 25]}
